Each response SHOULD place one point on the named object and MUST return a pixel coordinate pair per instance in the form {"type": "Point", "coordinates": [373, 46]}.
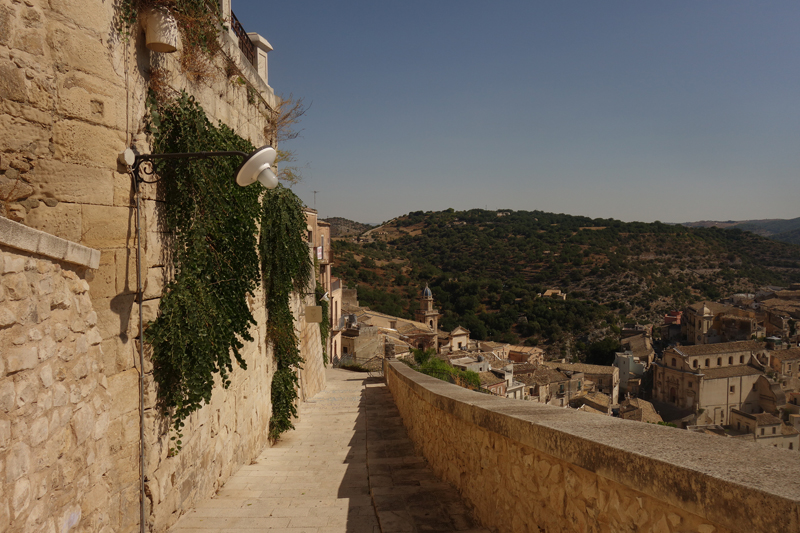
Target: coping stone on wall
{"type": "Point", "coordinates": [21, 237]}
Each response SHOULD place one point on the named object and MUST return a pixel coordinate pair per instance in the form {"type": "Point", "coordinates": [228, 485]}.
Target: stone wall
{"type": "Point", "coordinates": [72, 96]}
{"type": "Point", "coordinates": [56, 403]}
{"type": "Point", "coordinates": [529, 467]}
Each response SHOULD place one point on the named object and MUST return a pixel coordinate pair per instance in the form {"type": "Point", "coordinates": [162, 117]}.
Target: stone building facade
{"type": "Point", "coordinates": [713, 378]}
{"type": "Point", "coordinates": [72, 97]}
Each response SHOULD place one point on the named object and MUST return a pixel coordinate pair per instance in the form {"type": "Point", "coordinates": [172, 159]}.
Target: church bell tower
{"type": "Point", "coordinates": [426, 313]}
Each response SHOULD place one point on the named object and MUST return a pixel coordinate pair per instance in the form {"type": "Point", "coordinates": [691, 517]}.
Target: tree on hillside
{"type": "Point", "coordinates": [602, 352]}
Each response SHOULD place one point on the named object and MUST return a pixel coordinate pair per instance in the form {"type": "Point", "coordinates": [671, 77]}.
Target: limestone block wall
{"type": "Point", "coordinates": [312, 375]}
{"type": "Point", "coordinates": [218, 439]}
{"type": "Point", "coordinates": [56, 403]}
{"type": "Point", "coordinates": [530, 467]}
{"type": "Point", "coordinates": [72, 96]}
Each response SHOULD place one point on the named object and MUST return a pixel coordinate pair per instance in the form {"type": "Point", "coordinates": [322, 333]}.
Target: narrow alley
{"type": "Point", "coordinates": [348, 467]}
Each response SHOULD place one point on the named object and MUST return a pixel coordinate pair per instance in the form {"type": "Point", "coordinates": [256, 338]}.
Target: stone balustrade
{"type": "Point", "coordinates": [530, 467]}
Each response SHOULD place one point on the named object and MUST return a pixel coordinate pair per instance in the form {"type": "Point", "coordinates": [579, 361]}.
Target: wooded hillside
{"type": "Point", "coordinates": [487, 268]}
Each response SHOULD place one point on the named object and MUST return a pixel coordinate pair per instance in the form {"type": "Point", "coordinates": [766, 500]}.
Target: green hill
{"type": "Point", "coordinates": [487, 268]}
{"type": "Point", "coordinates": [776, 229]}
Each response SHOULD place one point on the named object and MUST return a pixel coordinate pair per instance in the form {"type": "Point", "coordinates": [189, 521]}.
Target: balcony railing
{"type": "Point", "coordinates": [245, 44]}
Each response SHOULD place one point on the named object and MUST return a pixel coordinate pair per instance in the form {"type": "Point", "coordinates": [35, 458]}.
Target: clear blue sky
{"type": "Point", "coordinates": [670, 110]}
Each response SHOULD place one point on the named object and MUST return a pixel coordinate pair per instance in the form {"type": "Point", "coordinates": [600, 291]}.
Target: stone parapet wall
{"type": "Point", "coordinates": [56, 403]}
{"type": "Point", "coordinates": [529, 467]}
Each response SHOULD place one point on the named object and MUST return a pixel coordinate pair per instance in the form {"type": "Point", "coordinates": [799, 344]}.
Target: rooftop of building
{"type": "Point", "coordinates": [519, 348]}
{"type": "Point", "coordinates": [639, 410]}
{"type": "Point", "coordinates": [581, 367]}
{"type": "Point", "coordinates": [488, 379]}
{"type": "Point", "coordinates": [719, 348]}
{"type": "Point", "coordinates": [525, 368]}
{"type": "Point", "coordinates": [786, 355]}
{"type": "Point", "coordinates": [542, 376]}
{"type": "Point", "coordinates": [730, 372]}
{"type": "Point", "coordinates": [492, 344]}
{"type": "Point", "coordinates": [766, 419]}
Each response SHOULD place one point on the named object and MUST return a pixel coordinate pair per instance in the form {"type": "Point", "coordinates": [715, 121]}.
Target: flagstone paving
{"type": "Point", "coordinates": [347, 467]}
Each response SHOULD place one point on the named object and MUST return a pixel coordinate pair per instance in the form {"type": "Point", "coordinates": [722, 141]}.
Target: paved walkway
{"type": "Point", "coordinates": [348, 467]}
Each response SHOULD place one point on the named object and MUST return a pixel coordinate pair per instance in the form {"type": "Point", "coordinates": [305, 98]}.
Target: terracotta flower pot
{"type": "Point", "coordinates": [161, 30]}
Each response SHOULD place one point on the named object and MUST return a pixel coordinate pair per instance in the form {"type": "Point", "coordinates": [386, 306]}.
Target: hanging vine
{"type": "Point", "coordinates": [203, 315]}
{"type": "Point", "coordinates": [286, 267]}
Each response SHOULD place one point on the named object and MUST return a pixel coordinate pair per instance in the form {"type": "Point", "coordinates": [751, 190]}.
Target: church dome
{"type": "Point", "coordinates": [426, 292]}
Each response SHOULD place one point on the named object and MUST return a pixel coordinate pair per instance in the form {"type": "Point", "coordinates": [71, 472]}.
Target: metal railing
{"type": "Point", "coordinates": [245, 44]}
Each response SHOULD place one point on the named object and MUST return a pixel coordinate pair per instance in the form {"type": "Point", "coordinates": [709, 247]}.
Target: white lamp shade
{"type": "Point", "coordinates": [257, 164]}
{"type": "Point", "coordinates": [268, 178]}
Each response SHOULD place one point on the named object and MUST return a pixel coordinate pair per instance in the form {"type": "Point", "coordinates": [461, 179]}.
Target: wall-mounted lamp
{"type": "Point", "coordinates": [257, 166]}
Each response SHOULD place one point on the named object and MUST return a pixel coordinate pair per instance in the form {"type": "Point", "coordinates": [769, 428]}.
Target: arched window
{"type": "Point", "coordinates": [694, 363]}
{"type": "Point", "coordinates": [708, 362]}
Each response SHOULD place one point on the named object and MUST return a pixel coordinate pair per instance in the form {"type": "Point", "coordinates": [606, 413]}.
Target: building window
{"type": "Point", "coordinates": [719, 361]}
{"type": "Point", "coordinates": [690, 384]}
{"type": "Point", "coordinates": [773, 431]}
{"type": "Point", "coordinates": [741, 359]}
{"type": "Point", "coordinates": [730, 360]}
{"type": "Point", "coordinates": [344, 350]}
{"type": "Point", "coordinates": [673, 361]}
{"type": "Point", "coordinates": [708, 362]}
{"type": "Point", "coordinates": [694, 363]}
{"type": "Point", "coordinates": [733, 389]}
{"type": "Point", "coordinates": [762, 431]}
{"type": "Point", "coordinates": [738, 425]}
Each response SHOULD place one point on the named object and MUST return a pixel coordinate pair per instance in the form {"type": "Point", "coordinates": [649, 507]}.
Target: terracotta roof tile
{"type": "Point", "coordinates": [488, 379]}
{"type": "Point", "coordinates": [730, 372]}
{"type": "Point", "coordinates": [786, 355]}
{"type": "Point", "coordinates": [580, 367]}
{"type": "Point", "coordinates": [719, 348]}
